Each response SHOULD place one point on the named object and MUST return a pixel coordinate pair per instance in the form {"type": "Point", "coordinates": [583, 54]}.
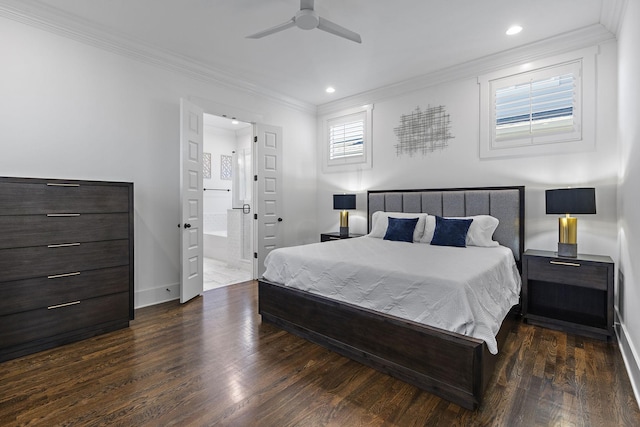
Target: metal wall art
{"type": "Point", "coordinates": [423, 131]}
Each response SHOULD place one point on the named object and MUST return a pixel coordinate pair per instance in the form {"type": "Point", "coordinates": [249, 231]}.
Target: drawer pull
{"type": "Point", "coordinates": [570, 264]}
{"type": "Point", "coordinates": [63, 215]}
{"type": "Point", "coordinates": [55, 184]}
{"type": "Point", "coordinates": [63, 245]}
{"type": "Point", "coordinates": [57, 276]}
{"type": "Point", "coordinates": [66, 304]}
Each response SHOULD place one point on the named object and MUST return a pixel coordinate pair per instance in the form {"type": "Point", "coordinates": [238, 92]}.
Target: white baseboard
{"type": "Point", "coordinates": [147, 297]}
{"type": "Point", "coordinates": [630, 357]}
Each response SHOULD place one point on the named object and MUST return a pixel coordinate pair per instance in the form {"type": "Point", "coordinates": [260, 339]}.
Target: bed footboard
{"type": "Point", "coordinates": [449, 365]}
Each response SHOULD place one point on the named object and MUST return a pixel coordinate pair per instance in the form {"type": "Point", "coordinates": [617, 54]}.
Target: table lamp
{"type": "Point", "coordinates": [570, 201]}
{"type": "Point", "coordinates": [343, 202]}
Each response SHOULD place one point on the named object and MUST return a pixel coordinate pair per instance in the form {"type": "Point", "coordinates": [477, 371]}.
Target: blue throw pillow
{"type": "Point", "coordinates": [451, 232]}
{"type": "Point", "coordinates": [400, 229]}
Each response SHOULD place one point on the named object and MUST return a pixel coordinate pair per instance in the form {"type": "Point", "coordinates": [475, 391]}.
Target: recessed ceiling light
{"type": "Point", "coordinates": [330, 89]}
{"type": "Point", "coordinates": [514, 29]}
{"type": "Point", "coordinates": [234, 122]}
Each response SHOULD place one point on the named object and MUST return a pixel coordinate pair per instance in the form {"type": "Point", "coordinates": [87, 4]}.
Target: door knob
{"type": "Point", "coordinates": [187, 225]}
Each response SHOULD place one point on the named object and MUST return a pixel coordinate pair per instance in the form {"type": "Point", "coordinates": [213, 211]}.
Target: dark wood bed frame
{"type": "Point", "coordinates": [453, 366]}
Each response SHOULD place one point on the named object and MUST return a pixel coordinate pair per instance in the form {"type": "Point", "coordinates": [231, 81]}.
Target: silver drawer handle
{"type": "Point", "coordinates": [63, 245]}
{"type": "Point", "coordinates": [57, 276]}
{"type": "Point", "coordinates": [571, 264]}
{"type": "Point", "coordinates": [63, 214]}
{"type": "Point", "coordinates": [66, 304]}
{"type": "Point", "coordinates": [54, 184]}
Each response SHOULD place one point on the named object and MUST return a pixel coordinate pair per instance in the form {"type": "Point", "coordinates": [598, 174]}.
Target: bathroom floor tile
{"type": "Point", "coordinates": [218, 273]}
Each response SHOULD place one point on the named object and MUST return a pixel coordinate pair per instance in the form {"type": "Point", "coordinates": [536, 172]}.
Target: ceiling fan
{"type": "Point", "coordinates": [308, 19]}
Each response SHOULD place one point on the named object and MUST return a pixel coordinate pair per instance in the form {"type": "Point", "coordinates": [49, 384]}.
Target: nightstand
{"type": "Point", "coordinates": [571, 294]}
{"type": "Point", "coordinates": [325, 237]}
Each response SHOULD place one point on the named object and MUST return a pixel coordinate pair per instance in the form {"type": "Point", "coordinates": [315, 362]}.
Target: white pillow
{"type": "Point", "coordinates": [380, 222]}
{"type": "Point", "coordinates": [429, 228]}
{"type": "Point", "coordinates": [480, 231]}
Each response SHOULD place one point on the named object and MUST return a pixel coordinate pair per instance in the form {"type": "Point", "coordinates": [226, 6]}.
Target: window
{"type": "Point", "coordinates": [537, 107]}
{"type": "Point", "coordinates": [346, 140]}
{"type": "Point", "coordinates": [522, 112]}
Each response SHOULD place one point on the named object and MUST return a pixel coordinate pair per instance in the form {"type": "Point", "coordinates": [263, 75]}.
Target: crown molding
{"type": "Point", "coordinates": [612, 13]}
{"type": "Point", "coordinates": [44, 17]}
{"type": "Point", "coordinates": [563, 43]}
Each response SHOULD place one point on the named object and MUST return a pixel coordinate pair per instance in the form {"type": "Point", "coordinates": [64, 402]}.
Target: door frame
{"type": "Point", "coordinates": [222, 110]}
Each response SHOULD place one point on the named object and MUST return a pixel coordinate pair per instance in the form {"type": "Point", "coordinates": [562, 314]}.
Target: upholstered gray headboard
{"type": "Point", "coordinates": [504, 203]}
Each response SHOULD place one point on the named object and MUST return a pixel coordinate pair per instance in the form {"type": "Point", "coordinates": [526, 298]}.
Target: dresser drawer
{"type": "Point", "coordinates": [38, 261]}
{"type": "Point", "coordinates": [39, 230]}
{"type": "Point", "coordinates": [32, 198]}
{"type": "Point", "coordinates": [36, 324]}
{"type": "Point", "coordinates": [30, 294]}
{"type": "Point", "coordinates": [569, 272]}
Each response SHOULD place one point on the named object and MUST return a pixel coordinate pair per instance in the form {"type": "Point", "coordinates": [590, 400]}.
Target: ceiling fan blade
{"type": "Point", "coordinates": [333, 28]}
{"type": "Point", "coordinates": [283, 26]}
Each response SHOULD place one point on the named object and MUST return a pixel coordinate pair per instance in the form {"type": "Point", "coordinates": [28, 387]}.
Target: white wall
{"type": "Point", "coordinates": [629, 190]}
{"type": "Point", "coordinates": [459, 165]}
{"type": "Point", "coordinates": [70, 110]}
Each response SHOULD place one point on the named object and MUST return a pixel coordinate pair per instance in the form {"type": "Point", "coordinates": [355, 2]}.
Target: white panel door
{"type": "Point", "coordinates": [191, 200]}
{"type": "Point", "coordinates": [268, 192]}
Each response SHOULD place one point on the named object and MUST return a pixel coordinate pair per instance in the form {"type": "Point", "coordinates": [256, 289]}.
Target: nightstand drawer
{"type": "Point", "coordinates": [569, 272]}
{"type": "Point", "coordinates": [325, 237]}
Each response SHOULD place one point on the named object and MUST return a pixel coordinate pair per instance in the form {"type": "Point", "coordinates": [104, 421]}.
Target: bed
{"type": "Point", "coordinates": [452, 365]}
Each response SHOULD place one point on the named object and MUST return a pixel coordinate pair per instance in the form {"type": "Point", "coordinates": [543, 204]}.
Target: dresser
{"type": "Point", "coordinates": [66, 261]}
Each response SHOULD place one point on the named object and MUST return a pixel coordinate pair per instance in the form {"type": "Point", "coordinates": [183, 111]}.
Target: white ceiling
{"type": "Point", "coordinates": [401, 39]}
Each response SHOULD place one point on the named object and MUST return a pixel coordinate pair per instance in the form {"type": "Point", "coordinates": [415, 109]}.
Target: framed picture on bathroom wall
{"type": "Point", "coordinates": [206, 165]}
{"type": "Point", "coordinates": [226, 163]}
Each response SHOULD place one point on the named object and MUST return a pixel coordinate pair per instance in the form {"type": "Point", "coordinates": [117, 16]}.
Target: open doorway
{"type": "Point", "coordinates": [227, 205]}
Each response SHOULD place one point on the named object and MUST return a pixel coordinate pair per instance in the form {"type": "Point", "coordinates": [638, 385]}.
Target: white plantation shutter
{"type": "Point", "coordinates": [537, 107]}
{"type": "Point", "coordinates": [346, 139]}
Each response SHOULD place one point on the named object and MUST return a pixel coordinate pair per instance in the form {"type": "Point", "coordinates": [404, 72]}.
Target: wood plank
{"type": "Point", "coordinates": [213, 362]}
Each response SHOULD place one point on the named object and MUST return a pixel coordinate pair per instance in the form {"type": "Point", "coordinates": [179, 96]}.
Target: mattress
{"type": "Point", "coordinates": [463, 290]}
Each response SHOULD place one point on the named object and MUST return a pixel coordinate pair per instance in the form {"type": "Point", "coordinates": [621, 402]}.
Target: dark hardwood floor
{"type": "Point", "coordinates": [212, 362]}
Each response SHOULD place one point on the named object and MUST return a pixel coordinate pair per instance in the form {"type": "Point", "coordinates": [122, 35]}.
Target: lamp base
{"type": "Point", "coordinates": [344, 231]}
{"type": "Point", "coordinates": [569, 250]}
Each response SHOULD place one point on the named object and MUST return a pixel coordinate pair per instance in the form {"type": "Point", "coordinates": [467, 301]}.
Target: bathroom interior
{"type": "Point", "coordinates": [227, 209]}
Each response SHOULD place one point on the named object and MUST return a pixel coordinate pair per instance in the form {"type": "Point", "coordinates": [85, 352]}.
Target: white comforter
{"type": "Point", "coordinates": [464, 290]}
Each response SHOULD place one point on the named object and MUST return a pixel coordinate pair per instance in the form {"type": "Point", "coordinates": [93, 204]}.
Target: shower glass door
{"type": "Point", "coordinates": [241, 189]}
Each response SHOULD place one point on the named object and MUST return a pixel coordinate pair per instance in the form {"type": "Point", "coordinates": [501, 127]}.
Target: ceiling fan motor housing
{"type": "Point", "coordinates": [307, 19]}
